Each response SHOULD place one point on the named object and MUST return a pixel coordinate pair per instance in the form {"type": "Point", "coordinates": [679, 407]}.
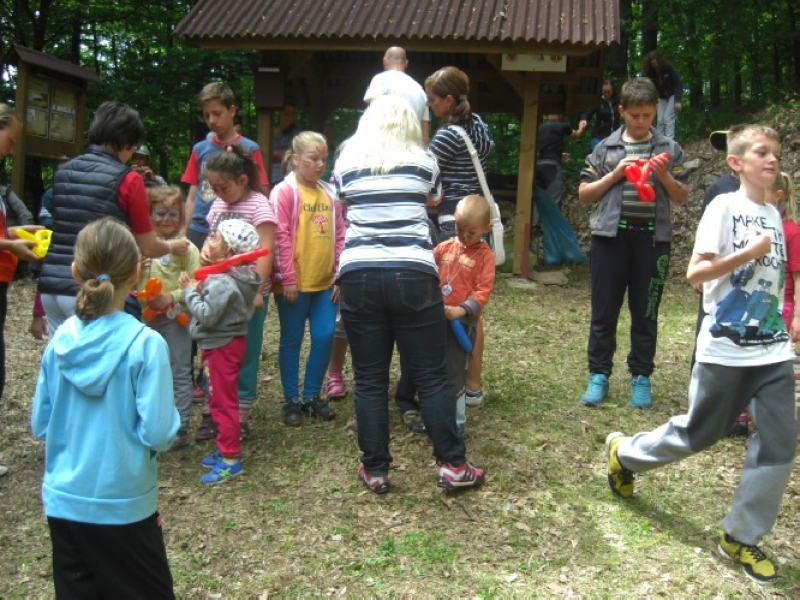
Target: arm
{"type": "Point", "coordinates": [206, 303]}
{"type": "Point", "coordinates": [590, 192]}
{"type": "Point", "coordinates": [676, 191]}
{"type": "Point", "coordinates": [22, 249]}
{"type": "Point", "coordinates": [42, 402]}
{"type": "Point", "coordinates": [266, 239]}
{"type": "Point", "coordinates": [158, 420]}
{"type": "Point", "coordinates": [705, 267]}
{"type": "Point", "coordinates": [341, 229]}
{"type": "Point", "coordinates": [284, 202]}
{"type": "Point", "coordinates": [483, 286]}
{"type": "Point", "coordinates": [189, 208]}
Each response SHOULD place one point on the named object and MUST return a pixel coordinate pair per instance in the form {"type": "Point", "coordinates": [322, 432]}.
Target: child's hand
{"type": "Point", "coordinates": [258, 302]}
{"type": "Point", "coordinates": [179, 247]}
{"type": "Point", "coordinates": [759, 243]}
{"type": "Point", "coordinates": [454, 312]}
{"type": "Point", "coordinates": [38, 328]}
{"type": "Point", "coordinates": [22, 249]}
{"type": "Point", "coordinates": [184, 281]}
{"type": "Point", "coordinates": [290, 293]}
{"type": "Point", "coordinates": [161, 302]}
{"type": "Point", "coordinates": [335, 294]}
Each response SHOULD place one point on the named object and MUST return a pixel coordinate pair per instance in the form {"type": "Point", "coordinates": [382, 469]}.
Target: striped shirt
{"type": "Point", "coordinates": [459, 178]}
{"type": "Point", "coordinates": [633, 209]}
{"type": "Point", "coordinates": [387, 225]}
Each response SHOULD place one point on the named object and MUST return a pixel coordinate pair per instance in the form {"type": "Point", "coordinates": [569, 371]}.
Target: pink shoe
{"type": "Point", "coordinates": [464, 476]}
{"type": "Point", "coordinates": [335, 389]}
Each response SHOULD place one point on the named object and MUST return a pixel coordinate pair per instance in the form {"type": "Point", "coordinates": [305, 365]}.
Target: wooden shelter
{"type": "Point", "coordinates": [527, 57]}
{"type": "Point", "coordinates": [51, 101]}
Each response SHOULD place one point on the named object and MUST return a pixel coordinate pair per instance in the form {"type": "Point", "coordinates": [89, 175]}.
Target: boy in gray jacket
{"type": "Point", "coordinates": [221, 307]}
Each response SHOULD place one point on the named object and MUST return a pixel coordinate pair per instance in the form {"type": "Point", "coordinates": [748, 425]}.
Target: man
{"type": "Point", "coordinates": [550, 138]}
{"type": "Point", "coordinates": [394, 81]}
{"type": "Point", "coordinates": [141, 164]}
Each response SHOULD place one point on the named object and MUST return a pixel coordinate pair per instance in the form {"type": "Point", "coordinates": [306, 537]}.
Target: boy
{"type": "Point", "coordinates": [466, 278]}
{"type": "Point", "coordinates": [743, 353]}
{"type": "Point", "coordinates": [221, 307]}
{"type": "Point", "coordinates": [631, 238]}
{"type": "Point", "coordinates": [217, 103]}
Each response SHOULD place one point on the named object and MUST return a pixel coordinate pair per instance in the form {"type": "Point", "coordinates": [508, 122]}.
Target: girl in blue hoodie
{"type": "Point", "coordinates": [103, 406]}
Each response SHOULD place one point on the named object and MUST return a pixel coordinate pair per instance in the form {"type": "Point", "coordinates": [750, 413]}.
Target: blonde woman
{"type": "Point", "coordinates": [389, 288]}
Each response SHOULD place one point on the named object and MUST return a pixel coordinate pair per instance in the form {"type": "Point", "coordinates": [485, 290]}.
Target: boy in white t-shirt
{"type": "Point", "coordinates": [743, 353]}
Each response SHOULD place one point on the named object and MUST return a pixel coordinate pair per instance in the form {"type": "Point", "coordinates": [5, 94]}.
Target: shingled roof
{"type": "Point", "coordinates": [563, 26]}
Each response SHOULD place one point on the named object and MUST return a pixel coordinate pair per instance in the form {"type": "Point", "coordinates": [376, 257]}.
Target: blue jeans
{"type": "Point", "coordinates": [320, 312]}
{"type": "Point", "coordinates": [381, 307]}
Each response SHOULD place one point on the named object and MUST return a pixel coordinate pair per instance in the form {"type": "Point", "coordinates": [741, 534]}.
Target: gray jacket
{"type": "Point", "coordinates": [604, 220]}
{"type": "Point", "coordinates": [221, 306]}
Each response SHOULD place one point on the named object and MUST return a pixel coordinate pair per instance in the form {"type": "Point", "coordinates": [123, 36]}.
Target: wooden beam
{"type": "Point", "coordinates": [527, 166]}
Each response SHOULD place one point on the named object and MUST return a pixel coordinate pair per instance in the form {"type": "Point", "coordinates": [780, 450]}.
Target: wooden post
{"type": "Point", "coordinates": [20, 105]}
{"type": "Point", "coordinates": [527, 167]}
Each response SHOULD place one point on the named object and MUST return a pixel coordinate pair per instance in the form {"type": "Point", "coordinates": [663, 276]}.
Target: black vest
{"type": "Point", "coordinates": [85, 189]}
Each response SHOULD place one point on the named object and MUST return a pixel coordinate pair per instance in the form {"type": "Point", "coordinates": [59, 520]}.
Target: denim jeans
{"type": "Point", "coordinates": [381, 307]}
{"type": "Point", "coordinates": [320, 312]}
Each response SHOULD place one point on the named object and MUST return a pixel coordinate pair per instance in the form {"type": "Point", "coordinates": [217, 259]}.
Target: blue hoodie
{"type": "Point", "coordinates": [103, 405]}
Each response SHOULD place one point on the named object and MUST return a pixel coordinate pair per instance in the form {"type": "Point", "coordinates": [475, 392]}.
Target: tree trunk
{"type": "Point", "coordinates": [649, 26]}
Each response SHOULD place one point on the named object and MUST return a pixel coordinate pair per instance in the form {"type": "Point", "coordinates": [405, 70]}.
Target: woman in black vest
{"type": "Point", "coordinates": [91, 186]}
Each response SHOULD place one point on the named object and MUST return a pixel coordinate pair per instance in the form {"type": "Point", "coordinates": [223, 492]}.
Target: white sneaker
{"type": "Point", "coordinates": [3, 470]}
{"type": "Point", "coordinates": [474, 398]}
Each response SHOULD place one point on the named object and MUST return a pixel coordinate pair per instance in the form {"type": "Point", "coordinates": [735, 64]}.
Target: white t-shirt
{"type": "Point", "coordinates": [743, 326]}
{"type": "Point", "coordinates": [397, 83]}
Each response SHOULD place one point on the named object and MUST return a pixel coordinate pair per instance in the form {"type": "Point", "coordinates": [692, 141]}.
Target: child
{"type": "Point", "coordinates": [781, 195]}
{"type": "Point", "coordinates": [166, 213]}
{"type": "Point", "coordinates": [466, 278]}
{"type": "Point", "coordinates": [309, 240]}
{"type": "Point", "coordinates": [11, 249]}
{"type": "Point", "coordinates": [233, 176]}
{"type": "Point", "coordinates": [631, 238]}
{"type": "Point", "coordinates": [103, 405]}
{"type": "Point", "coordinates": [743, 353]}
{"type": "Point", "coordinates": [221, 306]}
{"type": "Point", "coordinates": [219, 111]}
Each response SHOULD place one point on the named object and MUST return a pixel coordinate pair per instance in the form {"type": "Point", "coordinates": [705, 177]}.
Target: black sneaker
{"type": "Point", "coordinates": [414, 422]}
{"type": "Point", "coordinates": [207, 429]}
{"type": "Point", "coordinates": [319, 408]}
{"type": "Point", "coordinates": [292, 415]}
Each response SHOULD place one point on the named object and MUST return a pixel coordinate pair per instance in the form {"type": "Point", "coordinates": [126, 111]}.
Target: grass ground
{"type": "Point", "coordinates": [297, 522]}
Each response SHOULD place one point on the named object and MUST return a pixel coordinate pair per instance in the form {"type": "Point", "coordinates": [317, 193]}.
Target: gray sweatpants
{"type": "Point", "coordinates": [180, 362]}
{"type": "Point", "coordinates": [457, 362]}
{"type": "Point", "coordinates": [717, 394]}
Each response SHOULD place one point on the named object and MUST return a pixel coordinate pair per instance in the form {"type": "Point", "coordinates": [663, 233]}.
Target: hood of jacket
{"type": "Point", "coordinates": [87, 356]}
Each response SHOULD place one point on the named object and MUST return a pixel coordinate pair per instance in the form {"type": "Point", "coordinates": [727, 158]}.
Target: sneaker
{"type": "Point", "coordinates": [211, 460]}
{"type": "Point", "coordinates": [414, 422]}
{"type": "Point", "coordinates": [292, 415]}
{"type": "Point", "coordinates": [181, 439]}
{"type": "Point", "coordinates": [319, 408]}
{"type": "Point", "coordinates": [222, 471]}
{"type": "Point", "coordinates": [207, 429]}
{"type": "Point", "coordinates": [334, 388]}
{"type": "Point", "coordinates": [464, 476]}
{"type": "Point", "coordinates": [198, 395]}
{"type": "Point", "coordinates": [474, 398]}
{"type": "Point", "coordinates": [620, 479]}
{"type": "Point", "coordinates": [379, 485]}
{"type": "Point", "coordinates": [640, 393]}
{"type": "Point", "coordinates": [244, 429]}
{"type": "Point", "coordinates": [755, 563]}
{"type": "Point", "coordinates": [597, 390]}
{"type": "Point", "coordinates": [739, 427]}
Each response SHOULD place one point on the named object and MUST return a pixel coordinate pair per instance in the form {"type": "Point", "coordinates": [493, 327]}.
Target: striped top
{"type": "Point", "coordinates": [459, 178]}
{"type": "Point", "coordinates": [387, 224]}
{"type": "Point", "coordinates": [633, 209]}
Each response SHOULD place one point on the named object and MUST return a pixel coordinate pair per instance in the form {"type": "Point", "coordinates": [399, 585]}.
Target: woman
{"type": "Point", "coordinates": [89, 187]}
{"type": "Point", "coordinates": [447, 91]}
{"type": "Point", "coordinates": [668, 84]}
{"type": "Point", "coordinates": [11, 248]}
{"type": "Point", "coordinates": [390, 288]}
{"type": "Point", "coordinates": [605, 113]}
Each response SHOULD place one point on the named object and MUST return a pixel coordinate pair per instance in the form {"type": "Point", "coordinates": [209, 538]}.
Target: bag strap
{"type": "Point", "coordinates": [475, 160]}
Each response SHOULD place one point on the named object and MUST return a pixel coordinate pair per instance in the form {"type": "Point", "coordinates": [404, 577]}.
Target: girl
{"type": "Point", "coordinates": [234, 177]}
{"type": "Point", "coordinates": [782, 196]}
{"type": "Point", "coordinates": [221, 308]}
{"type": "Point", "coordinates": [11, 249]}
{"type": "Point", "coordinates": [309, 240]}
{"type": "Point", "coordinates": [447, 91]}
{"type": "Point", "coordinates": [166, 213]}
{"type": "Point", "coordinates": [107, 372]}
